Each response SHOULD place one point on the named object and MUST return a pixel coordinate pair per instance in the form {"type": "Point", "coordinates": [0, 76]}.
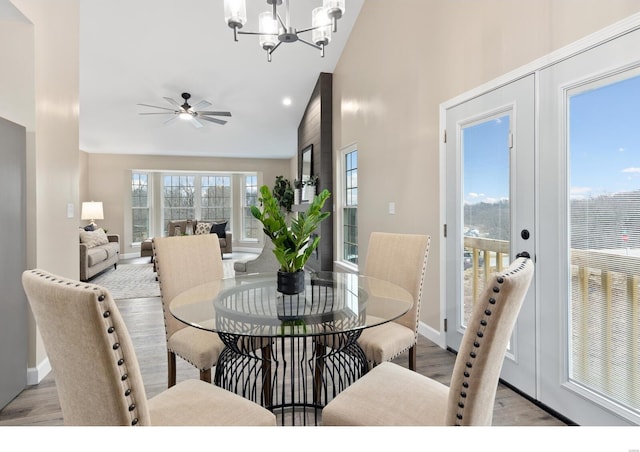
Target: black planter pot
{"type": "Point", "coordinates": [290, 283]}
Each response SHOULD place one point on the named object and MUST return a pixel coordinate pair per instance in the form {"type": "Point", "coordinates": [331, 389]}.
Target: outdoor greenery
{"type": "Point", "coordinates": [293, 244]}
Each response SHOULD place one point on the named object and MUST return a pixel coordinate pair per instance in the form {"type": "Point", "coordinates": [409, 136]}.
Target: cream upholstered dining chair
{"type": "Point", "coordinates": [96, 370]}
{"type": "Point", "coordinates": [390, 394]}
{"type": "Point", "coordinates": [402, 260]}
{"type": "Point", "coordinates": [183, 262]}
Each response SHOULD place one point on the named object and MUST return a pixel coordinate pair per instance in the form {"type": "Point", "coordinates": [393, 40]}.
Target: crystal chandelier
{"type": "Point", "coordinates": [274, 29]}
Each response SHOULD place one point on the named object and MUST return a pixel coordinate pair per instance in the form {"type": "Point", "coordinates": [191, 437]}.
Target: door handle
{"type": "Point", "coordinates": [524, 254]}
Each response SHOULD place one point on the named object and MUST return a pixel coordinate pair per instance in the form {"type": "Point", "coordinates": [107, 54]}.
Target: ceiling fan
{"type": "Point", "coordinates": [188, 112]}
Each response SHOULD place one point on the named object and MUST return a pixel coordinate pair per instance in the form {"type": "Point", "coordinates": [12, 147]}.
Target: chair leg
{"type": "Point", "coordinates": [412, 357]}
{"type": "Point", "coordinates": [205, 375]}
{"type": "Point", "coordinates": [171, 367]}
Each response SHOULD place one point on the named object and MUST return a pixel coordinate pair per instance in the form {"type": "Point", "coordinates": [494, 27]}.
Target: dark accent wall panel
{"type": "Point", "coordinates": [316, 128]}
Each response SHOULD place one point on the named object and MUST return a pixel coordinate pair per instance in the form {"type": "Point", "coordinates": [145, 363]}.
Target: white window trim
{"type": "Point", "coordinates": [149, 204]}
{"type": "Point", "coordinates": [339, 262]}
{"type": "Point", "coordinates": [243, 205]}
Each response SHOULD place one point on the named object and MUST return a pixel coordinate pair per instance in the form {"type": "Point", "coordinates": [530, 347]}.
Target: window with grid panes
{"type": "Point", "coordinates": [215, 198]}
{"type": "Point", "coordinates": [350, 208]}
{"type": "Point", "coordinates": [139, 207]}
{"type": "Point", "coordinates": [250, 226]}
{"type": "Point", "coordinates": [178, 196]}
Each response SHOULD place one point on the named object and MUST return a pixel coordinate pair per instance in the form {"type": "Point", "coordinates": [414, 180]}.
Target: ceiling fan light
{"type": "Point", "coordinates": [322, 34]}
{"type": "Point", "coordinates": [268, 30]}
{"type": "Point", "coordinates": [184, 115]}
{"type": "Point", "coordinates": [235, 13]}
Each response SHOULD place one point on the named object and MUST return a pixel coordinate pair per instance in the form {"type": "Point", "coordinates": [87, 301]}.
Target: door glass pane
{"type": "Point", "coordinates": [486, 217]}
{"type": "Point", "coordinates": [604, 238]}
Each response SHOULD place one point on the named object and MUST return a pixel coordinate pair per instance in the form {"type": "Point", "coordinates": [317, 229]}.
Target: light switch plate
{"type": "Point", "coordinates": [70, 210]}
{"type": "Point", "coordinates": [392, 208]}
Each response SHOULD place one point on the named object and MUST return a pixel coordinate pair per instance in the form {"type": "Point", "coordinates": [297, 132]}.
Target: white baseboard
{"type": "Point", "coordinates": [36, 374]}
{"type": "Point", "coordinates": [434, 336]}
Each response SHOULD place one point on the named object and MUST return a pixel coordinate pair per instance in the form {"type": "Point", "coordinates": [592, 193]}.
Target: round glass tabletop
{"type": "Point", "coordinates": [251, 306]}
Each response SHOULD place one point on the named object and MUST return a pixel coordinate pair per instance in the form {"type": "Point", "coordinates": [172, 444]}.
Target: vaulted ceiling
{"type": "Point", "coordinates": [140, 51]}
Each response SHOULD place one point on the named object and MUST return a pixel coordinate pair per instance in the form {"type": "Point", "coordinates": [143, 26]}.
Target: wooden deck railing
{"type": "Point", "coordinates": [604, 314]}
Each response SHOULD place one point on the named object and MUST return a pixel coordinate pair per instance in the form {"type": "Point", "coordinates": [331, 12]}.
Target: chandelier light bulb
{"type": "Point", "coordinates": [268, 30]}
{"type": "Point", "coordinates": [321, 33]}
{"type": "Point", "coordinates": [335, 10]}
{"type": "Point", "coordinates": [235, 13]}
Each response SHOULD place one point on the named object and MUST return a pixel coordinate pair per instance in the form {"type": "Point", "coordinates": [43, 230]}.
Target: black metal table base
{"type": "Point", "coordinates": [293, 376]}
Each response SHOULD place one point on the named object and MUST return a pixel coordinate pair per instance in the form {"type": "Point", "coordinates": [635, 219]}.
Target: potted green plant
{"type": "Point", "coordinates": [293, 242]}
{"type": "Point", "coordinates": [283, 193]}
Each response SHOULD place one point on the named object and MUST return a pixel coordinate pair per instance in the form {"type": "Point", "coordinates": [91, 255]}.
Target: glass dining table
{"type": "Point", "coordinates": [291, 353]}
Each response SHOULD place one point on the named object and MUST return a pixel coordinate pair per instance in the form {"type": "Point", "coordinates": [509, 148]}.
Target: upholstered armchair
{"type": "Point", "coordinates": [390, 394]}
{"type": "Point", "coordinates": [96, 370]}
{"type": "Point", "coordinates": [265, 262]}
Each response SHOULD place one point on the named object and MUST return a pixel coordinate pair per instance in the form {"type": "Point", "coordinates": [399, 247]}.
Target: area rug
{"type": "Point", "coordinates": [139, 280]}
{"type": "Point", "coordinates": [129, 281]}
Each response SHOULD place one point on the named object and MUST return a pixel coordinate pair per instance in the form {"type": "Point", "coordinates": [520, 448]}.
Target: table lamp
{"type": "Point", "coordinates": [92, 211]}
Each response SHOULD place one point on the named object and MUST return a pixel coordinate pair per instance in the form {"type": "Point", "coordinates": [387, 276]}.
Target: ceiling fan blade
{"type": "Point", "coordinates": [217, 121]}
{"type": "Point", "coordinates": [160, 113]}
{"type": "Point", "coordinates": [202, 104]}
{"type": "Point", "coordinates": [172, 102]}
{"type": "Point", "coordinates": [215, 113]}
{"type": "Point", "coordinates": [197, 124]}
{"type": "Point", "coordinates": [173, 118]}
{"type": "Point", "coordinates": [155, 106]}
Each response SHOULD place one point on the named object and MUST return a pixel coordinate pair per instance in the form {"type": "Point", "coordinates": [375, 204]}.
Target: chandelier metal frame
{"type": "Point", "coordinates": [324, 22]}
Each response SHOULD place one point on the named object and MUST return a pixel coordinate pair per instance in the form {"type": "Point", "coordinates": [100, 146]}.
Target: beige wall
{"type": "Point", "coordinates": [107, 178]}
{"type": "Point", "coordinates": [403, 59]}
{"type": "Point", "coordinates": [42, 92]}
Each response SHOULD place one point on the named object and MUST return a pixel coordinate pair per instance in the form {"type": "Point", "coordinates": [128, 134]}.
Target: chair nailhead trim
{"type": "Point", "coordinates": [473, 354]}
{"type": "Point", "coordinates": [101, 297]}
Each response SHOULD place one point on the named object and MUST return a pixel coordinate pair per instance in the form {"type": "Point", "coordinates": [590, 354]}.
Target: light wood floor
{"type": "Point", "coordinates": [38, 405]}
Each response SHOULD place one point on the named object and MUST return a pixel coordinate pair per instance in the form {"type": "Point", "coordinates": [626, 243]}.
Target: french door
{"type": "Point", "coordinates": [589, 246]}
{"type": "Point", "coordinates": [549, 164]}
{"type": "Point", "coordinates": [490, 211]}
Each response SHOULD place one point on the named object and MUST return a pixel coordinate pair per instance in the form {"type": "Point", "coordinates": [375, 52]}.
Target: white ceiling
{"type": "Point", "coordinates": [139, 51]}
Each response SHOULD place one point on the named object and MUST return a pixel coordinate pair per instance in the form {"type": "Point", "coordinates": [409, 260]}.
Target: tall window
{"type": "Point", "coordinates": [215, 198]}
{"type": "Point", "coordinates": [250, 226]}
{"type": "Point", "coordinates": [196, 197]}
{"type": "Point", "coordinates": [350, 206]}
{"type": "Point", "coordinates": [178, 196]}
{"type": "Point", "coordinates": [139, 206]}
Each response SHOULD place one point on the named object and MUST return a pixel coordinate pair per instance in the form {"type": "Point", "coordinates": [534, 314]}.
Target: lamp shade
{"type": "Point", "coordinates": [92, 211]}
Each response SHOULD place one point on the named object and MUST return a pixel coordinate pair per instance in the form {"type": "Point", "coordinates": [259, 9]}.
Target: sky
{"type": "Point", "coordinates": [604, 143]}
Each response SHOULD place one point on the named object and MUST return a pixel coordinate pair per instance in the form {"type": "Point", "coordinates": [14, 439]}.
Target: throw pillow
{"type": "Point", "coordinates": [93, 238]}
{"type": "Point", "coordinates": [203, 228]}
{"type": "Point", "coordinates": [89, 227]}
{"type": "Point", "coordinates": [220, 229]}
